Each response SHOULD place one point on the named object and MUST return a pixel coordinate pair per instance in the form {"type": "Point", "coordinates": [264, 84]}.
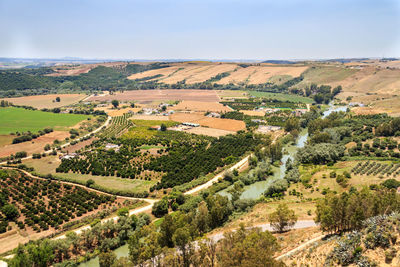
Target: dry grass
{"type": "Point", "coordinates": [202, 106]}
{"type": "Point", "coordinates": [253, 113]}
{"type": "Point", "coordinates": [216, 123]}
{"type": "Point", "coordinates": [232, 94]}
{"type": "Point", "coordinates": [162, 95]}
{"type": "Point", "coordinates": [210, 72]}
{"type": "Point", "coordinates": [120, 112]}
{"type": "Point", "coordinates": [209, 131]}
{"type": "Point", "coordinates": [261, 74]}
{"type": "Point", "coordinates": [34, 146]}
{"type": "Point", "coordinates": [149, 117]}
{"type": "Point", "coordinates": [46, 101]}
{"type": "Point", "coordinates": [165, 72]}
{"type": "Point", "coordinates": [62, 70]}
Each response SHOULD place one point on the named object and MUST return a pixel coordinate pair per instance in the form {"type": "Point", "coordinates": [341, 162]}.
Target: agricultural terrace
{"type": "Point", "coordinates": [36, 205]}
{"type": "Point", "coordinates": [46, 101]}
{"type": "Point", "coordinates": [167, 157]}
{"type": "Point", "coordinates": [22, 120]}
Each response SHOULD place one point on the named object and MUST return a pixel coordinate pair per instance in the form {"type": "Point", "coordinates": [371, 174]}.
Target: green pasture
{"type": "Point", "coordinates": [14, 119]}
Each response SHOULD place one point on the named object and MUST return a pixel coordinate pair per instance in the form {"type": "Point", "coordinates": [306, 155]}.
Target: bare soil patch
{"type": "Point", "coordinates": [163, 95]}
{"type": "Point", "coordinates": [67, 70]}
{"type": "Point", "coordinates": [253, 113]}
{"type": "Point", "coordinates": [149, 117]}
{"type": "Point", "coordinates": [46, 101]}
{"type": "Point", "coordinates": [209, 131]}
{"type": "Point", "coordinates": [201, 106]}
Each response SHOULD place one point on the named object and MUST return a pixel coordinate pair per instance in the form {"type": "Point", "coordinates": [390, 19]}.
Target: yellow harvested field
{"type": "Point", "coordinates": [165, 72]}
{"type": "Point", "coordinates": [209, 131]}
{"type": "Point", "coordinates": [162, 95]}
{"type": "Point", "coordinates": [202, 106]}
{"type": "Point", "coordinates": [208, 73]}
{"type": "Point", "coordinates": [120, 112]}
{"type": "Point", "coordinates": [186, 117]}
{"type": "Point", "coordinates": [149, 117]}
{"type": "Point", "coordinates": [232, 94]}
{"type": "Point", "coordinates": [46, 101]}
{"type": "Point", "coordinates": [252, 112]}
{"type": "Point", "coordinates": [261, 74]}
{"type": "Point", "coordinates": [216, 123]}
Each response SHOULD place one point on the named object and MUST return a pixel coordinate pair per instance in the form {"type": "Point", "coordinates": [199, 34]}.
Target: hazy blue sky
{"type": "Point", "coordinates": [207, 29]}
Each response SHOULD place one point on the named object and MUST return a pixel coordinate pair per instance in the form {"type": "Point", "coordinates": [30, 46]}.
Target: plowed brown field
{"type": "Point", "coordinates": [202, 106]}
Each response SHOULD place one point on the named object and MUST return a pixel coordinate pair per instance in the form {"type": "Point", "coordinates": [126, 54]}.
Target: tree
{"type": "Point", "coordinates": [291, 124]}
{"type": "Point", "coordinates": [160, 208]}
{"type": "Point", "coordinates": [236, 191]}
{"type": "Point", "coordinates": [58, 99]}
{"type": "Point", "coordinates": [123, 212]}
{"type": "Point", "coordinates": [283, 218]}
{"type": "Point", "coordinates": [115, 103]}
{"type": "Point", "coordinates": [167, 230]}
{"type": "Point", "coordinates": [90, 182]}
{"type": "Point", "coordinates": [10, 211]}
{"type": "Point", "coordinates": [47, 147]}
{"type": "Point", "coordinates": [163, 128]}
{"type": "Point", "coordinates": [107, 259]}
{"type": "Point", "coordinates": [246, 248]}
{"type": "Point", "coordinates": [132, 105]}
{"type": "Point", "coordinates": [181, 239]}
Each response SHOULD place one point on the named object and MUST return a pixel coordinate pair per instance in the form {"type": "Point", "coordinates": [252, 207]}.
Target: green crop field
{"type": "Point", "coordinates": [23, 120]}
{"type": "Point", "coordinates": [282, 97]}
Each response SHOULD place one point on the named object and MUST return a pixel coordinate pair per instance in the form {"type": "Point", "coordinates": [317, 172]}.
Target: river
{"type": "Point", "coordinates": [252, 191]}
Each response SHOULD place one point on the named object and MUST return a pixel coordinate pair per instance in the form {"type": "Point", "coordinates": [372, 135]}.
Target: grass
{"type": "Point", "coordinates": [325, 75]}
{"type": "Point", "coordinates": [147, 147]}
{"type": "Point", "coordinates": [282, 97]}
{"type": "Point", "coordinates": [6, 139]}
{"type": "Point", "coordinates": [23, 120]}
{"type": "Point", "coordinates": [141, 128]}
{"type": "Point", "coordinates": [49, 164]}
{"type": "Point", "coordinates": [46, 101]}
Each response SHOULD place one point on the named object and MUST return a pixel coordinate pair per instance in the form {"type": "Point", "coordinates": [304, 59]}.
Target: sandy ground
{"type": "Point", "coordinates": [34, 146]}
{"type": "Point", "coordinates": [122, 111]}
{"type": "Point", "coordinates": [163, 95]}
{"type": "Point", "coordinates": [202, 106]}
{"type": "Point", "coordinates": [209, 131]}
{"type": "Point", "coordinates": [46, 101]}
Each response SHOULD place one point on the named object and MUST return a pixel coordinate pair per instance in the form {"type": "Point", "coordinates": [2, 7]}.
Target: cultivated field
{"type": "Point", "coordinates": [216, 123]}
{"type": "Point", "coordinates": [282, 97]}
{"type": "Point", "coordinates": [209, 131]}
{"type": "Point", "coordinates": [122, 111]}
{"type": "Point", "coordinates": [260, 74]}
{"type": "Point", "coordinates": [201, 106]}
{"type": "Point", "coordinates": [46, 101]}
{"type": "Point", "coordinates": [232, 94]}
{"type": "Point", "coordinates": [49, 164]}
{"type": "Point", "coordinates": [190, 72]}
{"type": "Point", "coordinates": [163, 95]}
{"type": "Point", "coordinates": [23, 120]}
{"type": "Point", "coordinates": [253, 113]}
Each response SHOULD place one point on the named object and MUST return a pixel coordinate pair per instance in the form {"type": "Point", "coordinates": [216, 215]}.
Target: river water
{"type": "Point", "coordinates": [252, 191]}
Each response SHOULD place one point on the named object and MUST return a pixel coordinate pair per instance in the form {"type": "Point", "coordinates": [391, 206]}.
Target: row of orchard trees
{"type": "Point", "coordinates": [337, 213]}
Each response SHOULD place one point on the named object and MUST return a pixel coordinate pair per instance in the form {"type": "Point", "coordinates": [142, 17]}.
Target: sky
{"type": "Point", "coordinates": [201, 29]}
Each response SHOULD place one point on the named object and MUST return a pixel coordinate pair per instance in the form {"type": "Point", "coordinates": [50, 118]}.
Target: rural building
{"type": "Point", "coordinates": [214, 115]}
{"type": "Point", "coordinates": [258, 121]}
{"type": "Point", "coordinates": [69, 156]}
{"type": "Point", "coordinates": [110, 146]}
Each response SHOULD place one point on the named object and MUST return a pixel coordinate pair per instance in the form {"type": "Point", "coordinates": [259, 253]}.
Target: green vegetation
{"type": "Point", "coordinates": [281, 96]}
{"type": "Point", "coordinates": [44, 204]}
{"type": "Point", "coordinates": [22, 120]}
{"type": "Point", "coordinates": [142, 129]}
